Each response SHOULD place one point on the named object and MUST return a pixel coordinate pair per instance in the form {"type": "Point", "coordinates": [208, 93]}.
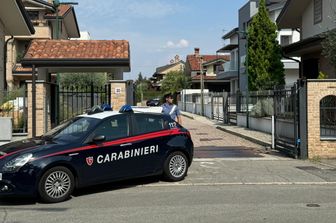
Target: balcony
{"type": "Point", "coordinates": [229, 70]}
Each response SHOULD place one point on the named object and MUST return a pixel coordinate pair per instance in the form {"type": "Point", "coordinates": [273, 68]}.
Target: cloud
{"type": "Point", "coordinates": [181, 44]}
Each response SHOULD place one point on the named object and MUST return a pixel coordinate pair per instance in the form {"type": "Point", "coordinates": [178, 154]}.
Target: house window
{"type": "Point", "coordinates": [285, 40]}
{"type": "Point", "coordinates": [317, 11]}
{"type": "Point", "coordinates": [328, 117]}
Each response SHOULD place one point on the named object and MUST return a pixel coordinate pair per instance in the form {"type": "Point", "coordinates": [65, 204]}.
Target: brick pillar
{"type": "Point", "coordinates": [43, 121]}
{"type": "Point", "coordinates": [317, 146]}
{"type": "Point", "coordinates": [118, 94]}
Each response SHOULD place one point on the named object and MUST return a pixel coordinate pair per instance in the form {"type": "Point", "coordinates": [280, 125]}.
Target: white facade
{"type": "Point", "coordinates": [84, 35]}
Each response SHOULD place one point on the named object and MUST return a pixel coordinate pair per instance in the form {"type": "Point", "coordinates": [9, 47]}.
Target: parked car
{"type": "Point", "coordinates": [95, 148]}
{"type": "Point", "coordinates": [153, 102]}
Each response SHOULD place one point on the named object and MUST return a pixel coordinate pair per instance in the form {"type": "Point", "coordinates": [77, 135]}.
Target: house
{"type": "Point", "coordinates": [229, 70]}
{"type": "Point", "coordinates": [313, 18]}
{"type": "Point", "coordinates": [209, 65]}
{"type": "Point", "coordinates": [14, 20]}
{"type": "Point", "coordinates": [44, 16]}
{"type": "Point", "coordinates": [285, 37]}
{"type": "Point", "coordinates": [175, 65]}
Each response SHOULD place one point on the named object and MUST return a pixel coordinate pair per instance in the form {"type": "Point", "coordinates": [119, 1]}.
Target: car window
{"type": "Point", "coordinates": [113, 128]}
{"type": "Point", "coordinates": [145, 123]}
{"type": "Point", "coordinates": [72, 130]}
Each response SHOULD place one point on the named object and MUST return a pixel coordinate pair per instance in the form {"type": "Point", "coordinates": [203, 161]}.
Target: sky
{"type": "Point", "coordinates": [157, 30]}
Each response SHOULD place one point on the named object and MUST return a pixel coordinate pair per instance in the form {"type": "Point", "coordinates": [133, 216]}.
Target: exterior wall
{"type": "Point", "coordinates": [318, 147]}
{"type": "Point", "coordinates": [43, 122]}
{"type": "Point", "coordinates": [310, 29]}
{"type": "Point", "coordinates": [234, 39]}
{"type": "Point", "coordinates": [118, 95]}
{"type": "Point", "coordinates": [291, 76]}
{"type": "Point", "coordinates": [2, 43]}
{"type": "Point", "coordinates": [177, 67]}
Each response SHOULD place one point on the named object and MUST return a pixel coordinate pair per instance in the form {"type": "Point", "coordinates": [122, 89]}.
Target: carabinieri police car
{"type": "Point", "coordinates": [95, 148]}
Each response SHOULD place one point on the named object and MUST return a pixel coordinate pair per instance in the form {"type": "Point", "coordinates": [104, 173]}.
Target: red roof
{"type": "Point", "coordinates": [198, 77]}
{"type": "Point", "coordinates": [78, 49]}
{"type": "Point", "coordinates": [194, 60]}
{"type": "Point", "coordinates": [62, 10]}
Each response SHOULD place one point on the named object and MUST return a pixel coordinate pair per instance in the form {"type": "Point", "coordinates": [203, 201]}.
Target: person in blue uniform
{"type": "Point", "coordinates": [171, 109]}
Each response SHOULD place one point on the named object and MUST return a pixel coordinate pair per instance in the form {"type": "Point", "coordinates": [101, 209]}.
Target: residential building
{"type": "Point", "coordinates": [313, 18]}
{"type": "Point", "coordinates": [175, 65]}
{"type": "Point", "coordinates": [285, 36]}
{"type": "Point", "coordinates": [84, 35]}
{"type": "Point", "coordinates": [14, 20]}
{"type": "Point", "coordinates": [206, 65]}
{"type": "Point", "coordinates": [44, 17]}
{"type": "Point", "coordinates": [229, 70]}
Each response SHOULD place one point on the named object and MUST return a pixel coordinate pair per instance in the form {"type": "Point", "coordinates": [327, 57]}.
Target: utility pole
{"type": "Point", "coordinates": [202, 85]}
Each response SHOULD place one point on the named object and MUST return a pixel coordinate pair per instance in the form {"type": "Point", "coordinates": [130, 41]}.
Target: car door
{"type": "Point", "coordinates": [108, 159]}
{"type": "Point", "coordinates": [147, 130]}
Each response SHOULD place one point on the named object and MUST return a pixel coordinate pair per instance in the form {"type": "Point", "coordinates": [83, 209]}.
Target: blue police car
{"type": "Point", "coordinates": [95, 148]}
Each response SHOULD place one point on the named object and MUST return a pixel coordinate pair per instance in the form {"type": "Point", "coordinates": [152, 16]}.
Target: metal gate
{"type": "Point", "coordinates": [286, 113]}
{"type": "Point", "coordinates": [73, 101]}
{"type": "Point", "coordinates": [231, 109]}
{"type": "Point", "coordinates": [218, 105]}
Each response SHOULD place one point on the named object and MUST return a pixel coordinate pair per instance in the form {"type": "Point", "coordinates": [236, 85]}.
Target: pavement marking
{"type": "Point", "coordinates": [238, 183]}
{"type": "Point", "coordinates": [208, 165]}
{"type": "Point", "coordinates": [265, 158]}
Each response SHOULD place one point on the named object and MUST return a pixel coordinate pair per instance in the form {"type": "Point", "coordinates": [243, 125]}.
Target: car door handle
{"type": "Point", "coordinates": [126, 144]}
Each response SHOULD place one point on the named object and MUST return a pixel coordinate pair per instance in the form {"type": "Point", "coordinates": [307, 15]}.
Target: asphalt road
{"type": "Point", "coordinates": [230, 203]}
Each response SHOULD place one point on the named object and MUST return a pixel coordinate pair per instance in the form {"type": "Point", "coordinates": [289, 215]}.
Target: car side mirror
{"type": "Point", "coordinates": [99, 138]}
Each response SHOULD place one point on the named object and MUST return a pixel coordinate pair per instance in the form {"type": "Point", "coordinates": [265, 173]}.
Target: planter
{"type": "Point", "coordinates": [6, 128]}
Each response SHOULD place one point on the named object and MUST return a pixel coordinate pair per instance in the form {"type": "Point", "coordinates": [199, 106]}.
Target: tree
{"type": "Point", "coordinates": [329, 47]}
{"type": "Point", "coordinates": [265, 69]}
{"type": "Point", "coordinates": [82, 80]}
{"type": "Point", "coordinates": [174, 82]}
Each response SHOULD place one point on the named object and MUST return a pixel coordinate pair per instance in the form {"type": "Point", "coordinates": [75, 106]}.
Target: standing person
{"type": "Point", "coordinates": [171, 109]}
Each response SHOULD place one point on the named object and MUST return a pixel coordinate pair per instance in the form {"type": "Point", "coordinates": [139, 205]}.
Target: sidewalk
{"type": "Point", "coordinates": [260, 138]}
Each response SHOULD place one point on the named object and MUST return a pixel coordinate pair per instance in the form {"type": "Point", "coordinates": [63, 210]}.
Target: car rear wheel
{"type": "Point", "coordinates": [56, 185]}
{"type": "Point", "coordinates": [175, 166]}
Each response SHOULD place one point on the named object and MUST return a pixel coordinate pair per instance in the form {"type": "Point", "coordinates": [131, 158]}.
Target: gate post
{"type": "Point", "coordinates": [212, 105]}
{"type": "Point", "coordinates": [42, 108]}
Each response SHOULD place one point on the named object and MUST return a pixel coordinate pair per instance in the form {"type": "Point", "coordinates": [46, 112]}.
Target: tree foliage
{"type": "Point", "coordinates": [329, 47]}
{"type": "Point", "coordinates": [82, 80]}
{"type": "Point", "coordinates": [265, 68]}
{"type": "Point", "coordinates": [174, 82]}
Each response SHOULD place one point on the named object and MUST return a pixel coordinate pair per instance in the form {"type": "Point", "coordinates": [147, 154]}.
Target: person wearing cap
{"type": "Point", "coordinates": [171, 109]}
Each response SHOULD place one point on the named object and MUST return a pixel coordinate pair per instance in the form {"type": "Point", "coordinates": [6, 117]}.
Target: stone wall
{"type": "Point", "coordinates": [43, 123]}
{"type": "Point", "coordinates": [318, 147]}
{"type": "Point", "coordinates": [118, 95]}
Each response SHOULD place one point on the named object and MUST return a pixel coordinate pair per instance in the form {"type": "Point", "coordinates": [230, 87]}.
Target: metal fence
{"type": "Point", "coordinates": [73, 101]}
{"type": "Point", "coordinates": [13, 104]}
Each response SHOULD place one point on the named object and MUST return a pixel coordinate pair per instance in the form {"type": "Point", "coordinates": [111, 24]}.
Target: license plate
{"type": "Point", "coordinates": [0, 176]}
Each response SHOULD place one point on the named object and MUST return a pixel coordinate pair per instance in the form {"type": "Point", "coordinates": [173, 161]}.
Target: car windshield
{"type": "Point", "coordinates": [71, 130]}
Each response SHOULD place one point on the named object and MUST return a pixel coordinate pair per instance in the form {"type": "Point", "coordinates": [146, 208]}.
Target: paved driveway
{"type": "Point", "coordinates": [210, 142]}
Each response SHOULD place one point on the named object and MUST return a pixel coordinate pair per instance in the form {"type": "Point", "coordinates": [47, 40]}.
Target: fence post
{"type": "Point", "coordinates": [212, 105]}
{"type": "Point", "coordinates": [247, 108]}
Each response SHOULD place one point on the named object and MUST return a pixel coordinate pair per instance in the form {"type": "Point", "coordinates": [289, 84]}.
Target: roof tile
{"type": "Point", "coordinates": [194, 60]}
{"type": "Point", "coordinates": [78, 49]}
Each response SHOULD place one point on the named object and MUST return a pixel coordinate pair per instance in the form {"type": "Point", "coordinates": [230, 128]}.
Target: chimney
{"type": "Point", "coordinates": [197, 50]}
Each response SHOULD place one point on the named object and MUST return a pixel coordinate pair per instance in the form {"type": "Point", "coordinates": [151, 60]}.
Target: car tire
{"type": "Point", "coordinates": [175, 167]}
{"type": "Point", "coordinates": [56, 185]}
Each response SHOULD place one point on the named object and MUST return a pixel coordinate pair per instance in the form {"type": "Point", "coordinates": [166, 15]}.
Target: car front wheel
{"type": "Point", "coordinates": [56, 185]}
{"type": "Point", "coordinates": [175, 166]}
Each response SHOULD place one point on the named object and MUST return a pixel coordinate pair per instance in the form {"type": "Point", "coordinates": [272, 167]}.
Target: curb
{"type": "Point", "coordinates": [249, 138]}
{"type": "Point", "coordinates": [188, 116]}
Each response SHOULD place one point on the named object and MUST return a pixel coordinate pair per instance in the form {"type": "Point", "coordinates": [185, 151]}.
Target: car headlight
{"type": "Point", "coordinates": [15, 164]}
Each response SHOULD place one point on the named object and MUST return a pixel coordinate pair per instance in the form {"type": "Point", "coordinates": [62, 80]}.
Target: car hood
{"type": "Point", "coordinates": [28, 145]}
